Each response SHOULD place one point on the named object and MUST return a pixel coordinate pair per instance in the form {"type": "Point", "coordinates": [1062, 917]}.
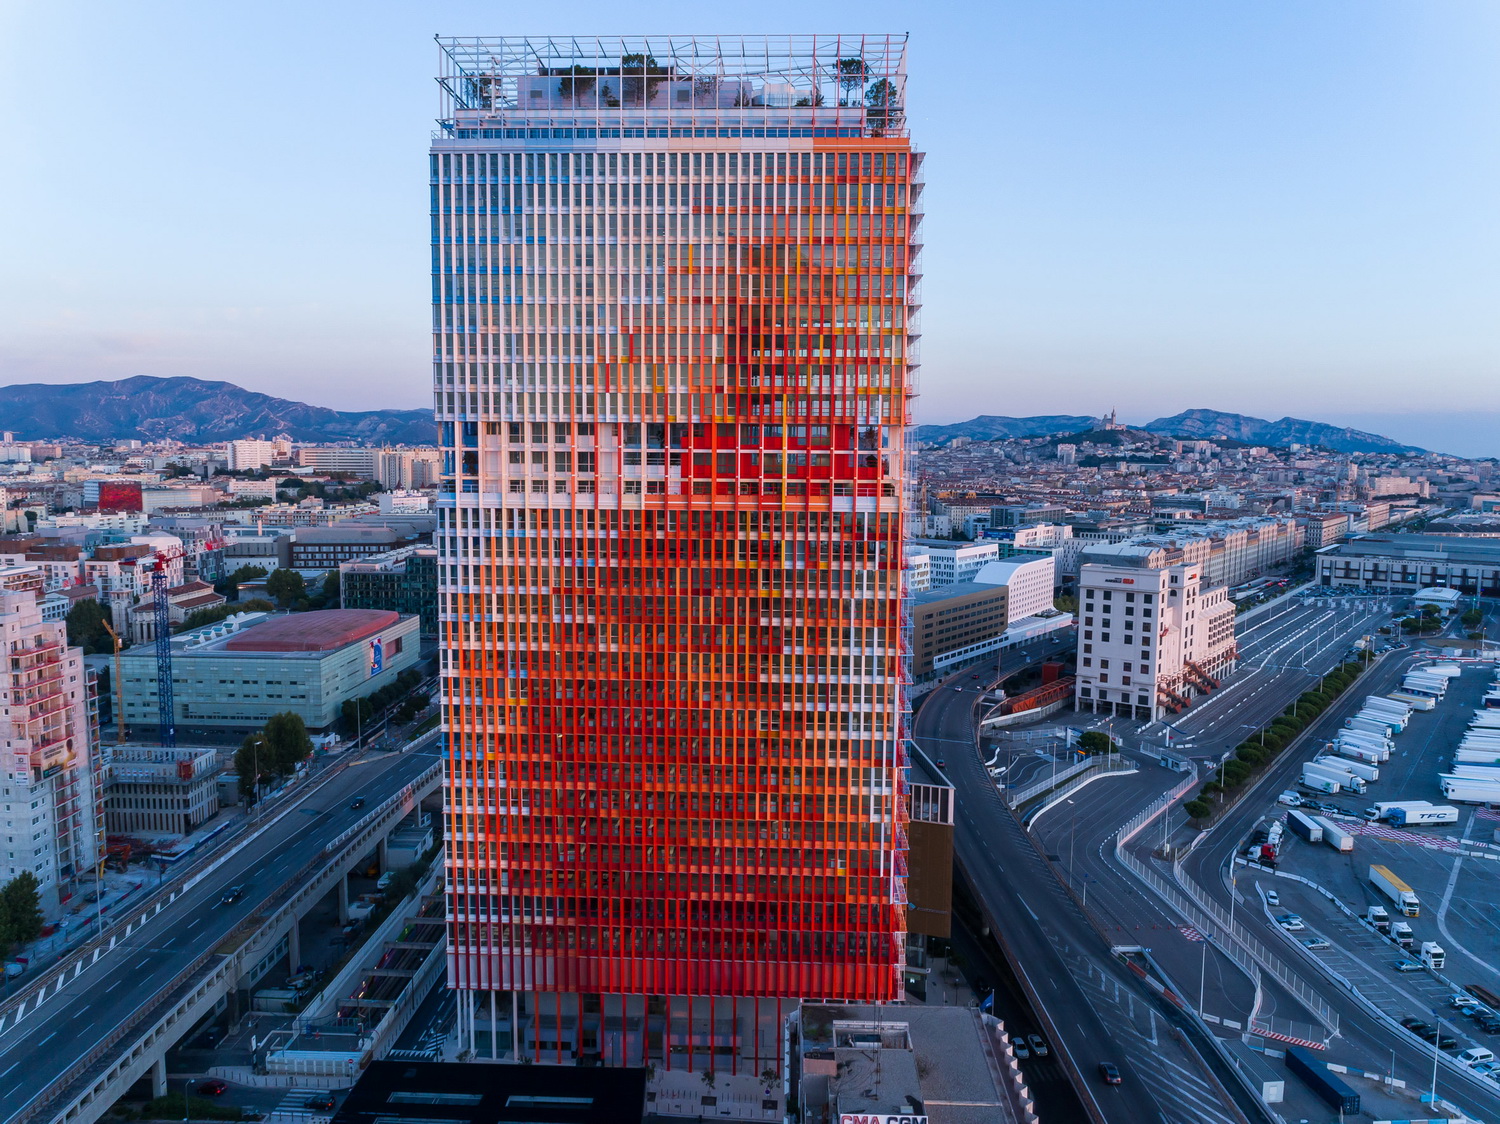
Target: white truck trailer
{"type": "Point", "coordinates": [1416, 702]}
{"type": "Point", "coordinates": [1319, 781]}
{"type": "Point", "coordinates": [1345, 779]}
{"type": "Point", "coordinates": [1362, 769]}
{"type": "Point", "coordinates": [1336, 836]}
{"type": "Point", "coordinates": [1467, 791]}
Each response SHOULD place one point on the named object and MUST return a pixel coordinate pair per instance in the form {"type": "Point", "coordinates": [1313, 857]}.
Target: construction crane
{"type": "Point", "coordinates": [166, 711]}
{"type": "Point", "coordinates": [119, 706]}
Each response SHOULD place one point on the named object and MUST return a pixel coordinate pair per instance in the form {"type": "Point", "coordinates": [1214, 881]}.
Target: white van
{"type": "Point", "coordinates": [1476, 1054]}
{"type": "Point", "coordinates": [385, 880]}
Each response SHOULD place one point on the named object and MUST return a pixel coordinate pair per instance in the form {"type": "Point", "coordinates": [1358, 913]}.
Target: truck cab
{"type": "Point", "coordinates": [1377, 916]}
{"type": "Point", "coordinates": [1432, 955]}
{"type": "Point", "coordinates": [1401, 933]}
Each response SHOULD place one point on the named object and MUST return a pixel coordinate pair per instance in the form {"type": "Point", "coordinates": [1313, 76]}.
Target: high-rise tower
{"type": "Point", "coordinates": [674, 297]}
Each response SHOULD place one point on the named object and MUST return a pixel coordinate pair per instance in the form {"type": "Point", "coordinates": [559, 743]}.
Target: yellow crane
{"type": "Point", "coordinates": [119, 687]}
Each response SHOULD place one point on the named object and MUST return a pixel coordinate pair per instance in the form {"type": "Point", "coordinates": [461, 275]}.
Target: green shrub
{"type": "Point", "coordinates": [1198, 809]}
{"type": "Point", "coordinates": [1250, 754]}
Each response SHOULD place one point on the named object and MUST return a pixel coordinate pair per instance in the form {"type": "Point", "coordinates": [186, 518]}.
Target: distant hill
{"type": "Point", "coordinates": [1198, 425]}
{"type": "Point", "coordinates": [193, 410]}
{"type": "Point", "coordinates": [1205, 425]}
{"type": "Point", "coordinates": [989, 427]}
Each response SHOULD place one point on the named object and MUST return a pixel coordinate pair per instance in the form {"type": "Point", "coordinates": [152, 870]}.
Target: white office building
{"type": "Point", "coordinates": [950, 561]}
{"type": "Point", "coordinates": [1151, 638]}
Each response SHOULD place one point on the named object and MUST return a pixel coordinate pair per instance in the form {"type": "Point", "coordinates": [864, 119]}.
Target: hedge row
{"type": "Point", "coordinates": [1258, 751]}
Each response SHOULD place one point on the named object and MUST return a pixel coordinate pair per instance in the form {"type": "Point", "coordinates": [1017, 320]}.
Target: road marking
{"type": "Point", "coordinates": [111, 987]}
{"type": "Point", "coordinates": [7, 1072]}
{"type": "Point", "coordinates": [193, 922]}
{"type": "Point", "coordinates": [49, 1038]}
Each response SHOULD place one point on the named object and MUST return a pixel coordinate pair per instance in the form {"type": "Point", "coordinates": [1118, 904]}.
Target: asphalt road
{"type": "Point", "coordinates": [1040, 924]}
{"type": "Point", "coordinates": [41, 1047]}
{"type": "Point", "coordinates": [1362, 1039]}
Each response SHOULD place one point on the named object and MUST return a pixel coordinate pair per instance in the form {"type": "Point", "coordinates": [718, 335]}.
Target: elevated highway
{"type": "Point", "coordinates": [94, 1026]}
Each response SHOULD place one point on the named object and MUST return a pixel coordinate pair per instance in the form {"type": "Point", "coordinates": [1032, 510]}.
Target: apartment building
{"type": "Point", "coordinates": [248, 455]}
{"type": "Point", "coordinates": [1152, 636]}
{"type": "Point", "coordinates": [48, 817]}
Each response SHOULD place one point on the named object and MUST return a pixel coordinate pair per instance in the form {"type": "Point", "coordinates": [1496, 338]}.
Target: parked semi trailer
{"type": "Point", "coordinates": [1335, 836]}
{"type": "Point", "coordinates": [1329, 1087]}
{"type": "Point", "coordinates": [1395, 889]}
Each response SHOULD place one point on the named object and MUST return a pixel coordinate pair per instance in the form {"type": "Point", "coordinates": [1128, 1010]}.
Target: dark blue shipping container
{"type": "Point", "coordinates": [1313, 1070]}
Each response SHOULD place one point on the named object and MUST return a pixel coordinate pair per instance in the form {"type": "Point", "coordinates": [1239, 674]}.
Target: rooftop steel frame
{"type": "Point", "coordinates": [844, 78]}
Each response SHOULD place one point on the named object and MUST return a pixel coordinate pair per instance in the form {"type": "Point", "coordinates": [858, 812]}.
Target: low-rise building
{"type": "Point", "coordinates": [944, 1065]}
{"type": "Point", "coordinates": [335, 458]}
{"type": "Point", "coordinates": [230, 677]}
{"type": "Point", "coordinates": [325, 548]}
{"type": "Point", "coordinates": [402, 580]}
{"type": "Point", "coordinates": [1407, 563]}
{"type": "Point", "coordinates": [182, 602]}
{"type": "Point", "coordinates": [156, 789]}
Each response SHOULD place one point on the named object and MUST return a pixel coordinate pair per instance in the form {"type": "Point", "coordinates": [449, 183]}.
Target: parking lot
{"type": "Point", "coordinates": [1454, 871]}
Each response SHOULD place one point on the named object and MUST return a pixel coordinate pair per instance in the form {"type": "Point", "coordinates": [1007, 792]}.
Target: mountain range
{"type": "Point", "coordinates": [1196, 425]}
{"type": "Point", "coordinates": [193, 411]}
{"type": "Point", "coordinates": [197, 411]}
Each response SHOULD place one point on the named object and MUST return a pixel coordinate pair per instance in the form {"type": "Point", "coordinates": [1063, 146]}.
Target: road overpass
{"type": "Point", "coordinates": [1062, 962]}
{"type": "Point", "coordinates": [70, 1047]}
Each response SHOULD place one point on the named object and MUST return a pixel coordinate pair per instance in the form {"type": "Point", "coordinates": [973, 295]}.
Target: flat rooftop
{"type": "Point", "coordinates": [391, 1092]}
{"type": "Point", "coordinates": [1421, 548]}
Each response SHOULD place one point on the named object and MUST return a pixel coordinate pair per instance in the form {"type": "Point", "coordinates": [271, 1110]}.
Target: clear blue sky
{"type": "Point", "coordinates": [1271, 208]}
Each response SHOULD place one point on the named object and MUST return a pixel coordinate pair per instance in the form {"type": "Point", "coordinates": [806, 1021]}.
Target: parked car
{"type": "Point", "coordinates": [1316, 944]}
{"type": "Point", "coordinates": [1407, 965]}
{"type": "Point", "coordinates": [1291, 923]}
{"type": "Point", "coordinates": [1019, 1048]}
{"type": "Point", "coordinates": [1038, 1047]}
{"type": "Point", "coordinates": [212, 1088]}
{"type": "Point", "coordinates": [320, 1102]}
{"type": "Point", "coordinates": [1416, 1026]}
{"type": "Point", "coordinates": [1273, 898]}
{"type": "Point", "coordinates": [1109, 1073]}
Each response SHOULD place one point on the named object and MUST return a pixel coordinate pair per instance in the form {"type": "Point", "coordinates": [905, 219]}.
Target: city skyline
{"type": "Point", "coordinates": [1314, 245]}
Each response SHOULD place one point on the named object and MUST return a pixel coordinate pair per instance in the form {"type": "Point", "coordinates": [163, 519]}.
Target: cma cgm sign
{"type": "Point", "coordinates": [880, 1118]}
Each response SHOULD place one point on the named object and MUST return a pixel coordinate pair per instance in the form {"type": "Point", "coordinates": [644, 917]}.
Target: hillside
{"type": "Point", "coordinates": [989, 427]}
{"type": "Point", "coordinates": [1210, 424]}
{"type": "Point", "coordinates": [193, 410]}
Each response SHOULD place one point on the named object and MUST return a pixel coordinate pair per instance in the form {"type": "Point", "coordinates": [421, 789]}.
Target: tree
{"type": "Point", "coordinates": [1472, 618]}
{"type": "Point", "coordinates": [20, 910]}
{"type": "Point", "coordinates": [286, 586]}
{"type": "Point", "coordinates": [86, 629]}
{"type": "Point", "coordinates": [205, 617]}
{"type": "Point", "coordinates": [230, 586]}
{"type": "Point", "coordinates": [851, 73]}
{"type": "Point", "coordinates": [1198, 809]}
{"type": "Point", "coordinates": [287, 741]}
{"type": "Point", "coordinates": [1092, 741]}
{"type": "Point", "coordinates": [1236, 773]}
{"type": "Point", "coordinates": [251, 762]}
{"type": "Point", "coordinates": [881, 104]}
